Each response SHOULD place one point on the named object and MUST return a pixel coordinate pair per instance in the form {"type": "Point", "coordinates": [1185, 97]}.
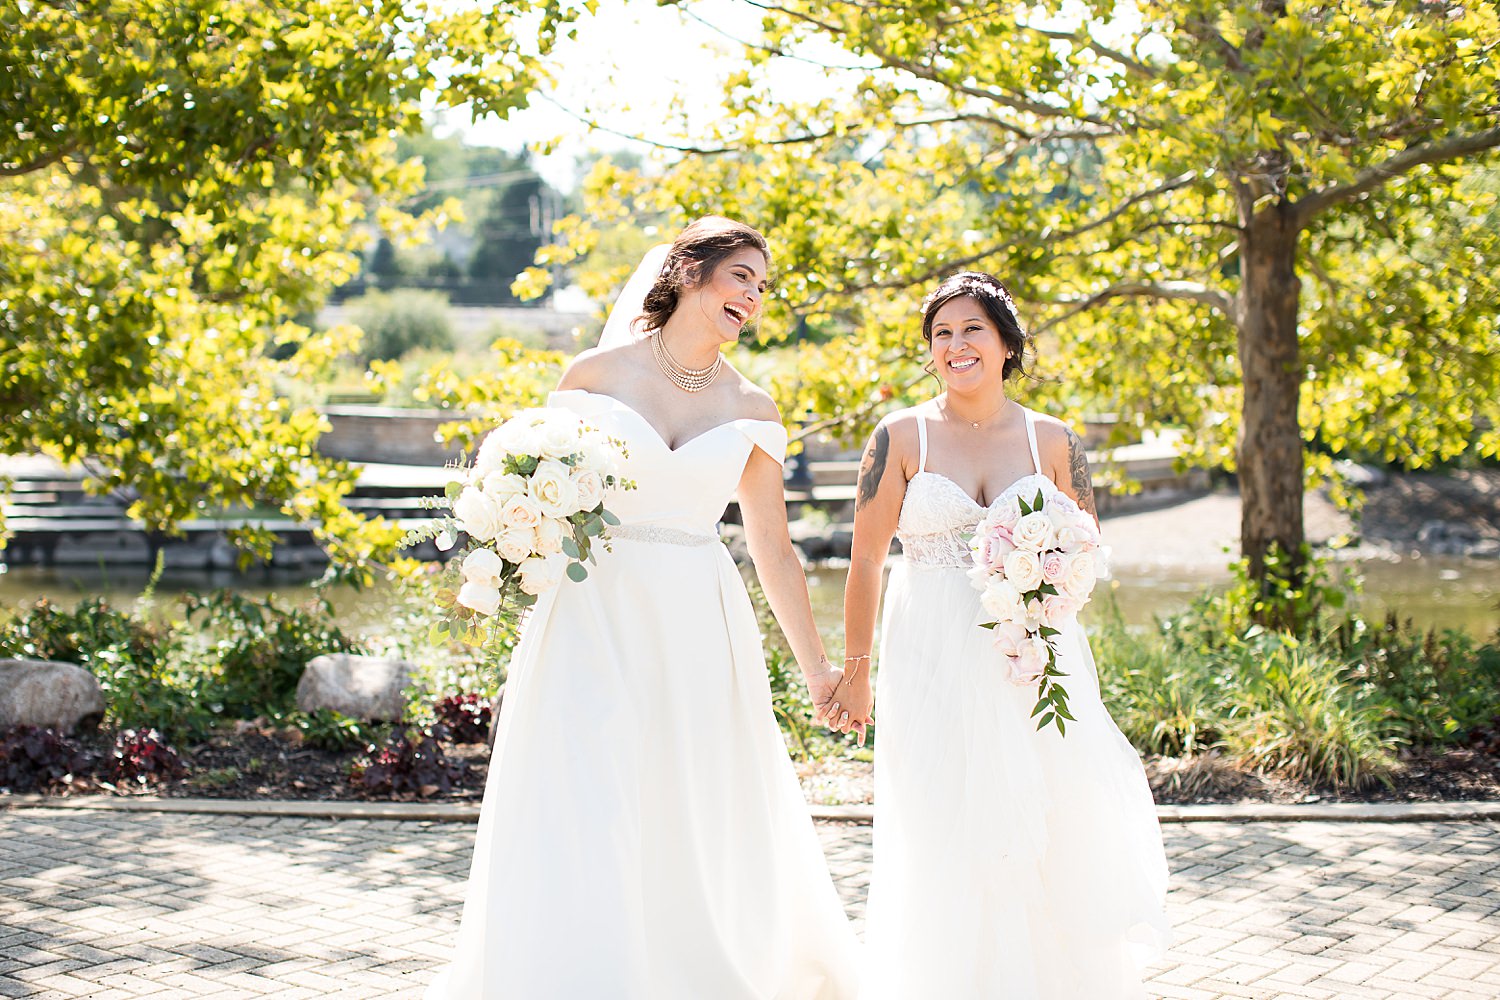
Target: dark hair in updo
{"type": "Point", "coordinates": [994, 298]}
{"type": "Point", "coordinates": [698, 249]}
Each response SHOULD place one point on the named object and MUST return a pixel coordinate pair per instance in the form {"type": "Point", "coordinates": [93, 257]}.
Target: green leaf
{"type": "Point", "coordinates": [570, 548]}
{"type": "Point", "coordinates": [609, 517]}
{"type": "Point", "coordinates": [577, 572]}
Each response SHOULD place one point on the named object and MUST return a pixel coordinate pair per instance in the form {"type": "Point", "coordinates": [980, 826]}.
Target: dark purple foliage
{"type": "Point", "coordinates": [408, 763]}
{"type": "Point", "coordinates": [142, 756]}
{"type": "Point", "coordinates": [465, 718]}
{"type": "Point", "coordinates": [33, 758]}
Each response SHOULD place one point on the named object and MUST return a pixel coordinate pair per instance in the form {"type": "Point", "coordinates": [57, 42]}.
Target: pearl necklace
{"type": "Point", "coordinates": [686, 379]}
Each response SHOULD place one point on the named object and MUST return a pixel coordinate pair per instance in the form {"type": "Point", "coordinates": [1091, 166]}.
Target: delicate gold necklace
{"type": "Point", "coordinates": [948, 408]}
{"type": "Point", "coordinates": [686, 379]}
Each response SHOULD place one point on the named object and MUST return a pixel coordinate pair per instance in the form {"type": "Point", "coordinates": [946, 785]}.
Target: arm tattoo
{"type": "Point", "coordinates": [1078, 463]}
{"type": "Point", "coordinates": [872, 468]}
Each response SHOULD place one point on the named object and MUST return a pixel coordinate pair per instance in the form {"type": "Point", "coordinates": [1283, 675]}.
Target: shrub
{"type": "Point", "coordinates": [142, 757]}
{"type": "Point", "coordinates": [410, 763]}
{"type": "Point", "coordinates": [1300, 717]}
{"type": "Point", "coordinates": [400, 321]}
{"type": "Point", "coordinates": [36, 759]}
{"type": "Point", "coordinates": [327, 729]}
{"type": "Point", "coordinates": [260, 648]}
{"type": "Point", "coordinates": [1438, 686]}
{"type": "Point", "coordinates": [133, 659]}
{"type": "Point", "coordinates": [1166, 701]}
{"type": "Point", "coordinates": [464, 718]}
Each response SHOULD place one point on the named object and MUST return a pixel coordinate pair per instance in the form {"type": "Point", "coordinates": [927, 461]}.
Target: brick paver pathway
{"type": "Point", "coordinates": [121, 905]}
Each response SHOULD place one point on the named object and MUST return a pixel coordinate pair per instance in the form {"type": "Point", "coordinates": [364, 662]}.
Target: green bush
{"type": "Point", "coordinates": [1166, 701]}
{"type": "Point", "coordinates": [1438, 686]}
{"type": "Point", "coordinates": [259, 649]}
{"type": "Point", "coordinates": [1298, 716]}
{"type": "Point", "coordinates": [135, 661]}
{"type": "Point", "coordinates": [401, 321]}
{"type": "Point", "coordinates": [327, 729]}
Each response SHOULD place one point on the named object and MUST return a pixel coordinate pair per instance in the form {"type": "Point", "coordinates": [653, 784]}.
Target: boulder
{"type": "Point", "coordinates": [362, 687]}
{"type": "Point", "coordinates": [61, 696]}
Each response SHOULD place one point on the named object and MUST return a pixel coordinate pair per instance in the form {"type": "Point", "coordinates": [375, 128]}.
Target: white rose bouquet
{"type": "Point", "coordinates": [531, 506]}
{"type": "Point", "coordinates": [1035, 565]}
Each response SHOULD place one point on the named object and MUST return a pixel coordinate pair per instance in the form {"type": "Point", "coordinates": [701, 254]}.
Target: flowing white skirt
{"type": "Point", "coordinates": [643, 835]}
{"type": "Point", "coordinates": [1008, 863]}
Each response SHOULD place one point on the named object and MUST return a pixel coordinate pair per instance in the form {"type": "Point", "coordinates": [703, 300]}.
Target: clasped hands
{"type": "Point", "coordinates": [843, 699]}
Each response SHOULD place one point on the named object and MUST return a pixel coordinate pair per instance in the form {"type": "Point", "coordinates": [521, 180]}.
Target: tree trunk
{"type": "Point", "coordinates": [1270, 440]}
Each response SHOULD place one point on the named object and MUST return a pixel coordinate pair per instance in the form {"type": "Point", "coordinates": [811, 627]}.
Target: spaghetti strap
{"type": "Point", "coordinates": [1036, 460]}
{"type": "Point", "coordinates": [921, 443]}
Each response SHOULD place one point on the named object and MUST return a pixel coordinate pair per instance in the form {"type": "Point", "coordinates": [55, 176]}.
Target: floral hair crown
{"type": "Point", "coordinates": [977, 284]}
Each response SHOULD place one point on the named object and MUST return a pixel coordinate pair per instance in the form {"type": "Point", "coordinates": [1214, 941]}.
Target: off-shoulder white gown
{"type": "Point", "coordinates": [643, 835]}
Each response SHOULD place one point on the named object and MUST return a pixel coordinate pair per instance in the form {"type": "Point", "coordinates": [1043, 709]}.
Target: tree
{"type": "Point", "coordinates": [1254, 218]}
{"type": "Point", "coordinates": [179, 179]}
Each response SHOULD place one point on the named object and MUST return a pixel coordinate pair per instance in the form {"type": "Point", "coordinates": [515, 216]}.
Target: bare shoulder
{"type": "Point", "coordinates": [1055, 440]}
{"type": "Point", "coordinates": [900, 428]}
{"type": "Point", "coordinates": [591, 369]}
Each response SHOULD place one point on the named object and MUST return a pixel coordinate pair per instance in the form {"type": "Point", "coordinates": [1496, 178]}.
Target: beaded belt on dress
{"type": "Point", "coordinates": [659, 533]}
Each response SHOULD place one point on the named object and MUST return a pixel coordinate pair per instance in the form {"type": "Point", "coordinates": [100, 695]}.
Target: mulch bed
{"type": "Point", "coordinates": [259, 763]}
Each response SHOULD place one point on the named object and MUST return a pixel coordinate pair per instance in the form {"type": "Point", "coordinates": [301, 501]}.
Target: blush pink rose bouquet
{"type": "Point", "coordinates": [1035, 565]}
{"type": "Point", "coordinates": [529, 509]}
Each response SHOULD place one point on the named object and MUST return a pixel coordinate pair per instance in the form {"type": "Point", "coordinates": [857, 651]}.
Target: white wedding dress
{"type": "Point", "coordinates": [643, 835]}
{"type": "Point", "coordinates": [1010, 864]}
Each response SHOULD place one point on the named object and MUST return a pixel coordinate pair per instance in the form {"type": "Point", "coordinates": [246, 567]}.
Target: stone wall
{"type": "Point", "coordinates": [386, 434]}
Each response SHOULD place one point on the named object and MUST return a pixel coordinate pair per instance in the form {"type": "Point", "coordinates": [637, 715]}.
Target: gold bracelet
{"type": "Point", "coordinates": [856, 659]}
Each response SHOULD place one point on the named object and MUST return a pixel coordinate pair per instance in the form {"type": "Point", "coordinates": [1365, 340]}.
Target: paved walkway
{"type": "Point", "coordinates": [115, 906]}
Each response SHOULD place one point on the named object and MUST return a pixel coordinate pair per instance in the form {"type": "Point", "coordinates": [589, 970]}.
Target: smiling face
{"type": "Point", "coordinates": [732, 295]}
{"type": "Point", "coordinates": [967, 349]}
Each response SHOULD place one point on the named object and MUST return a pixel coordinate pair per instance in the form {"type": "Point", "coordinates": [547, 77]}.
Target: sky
{"type": "Point", "coordinates": [634, 66]}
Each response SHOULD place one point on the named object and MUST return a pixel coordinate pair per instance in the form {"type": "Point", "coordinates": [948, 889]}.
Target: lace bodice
{"type": "Point", "coordinates": [938, 517]}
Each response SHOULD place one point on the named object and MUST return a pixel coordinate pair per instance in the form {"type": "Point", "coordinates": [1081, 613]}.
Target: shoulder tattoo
{"type": "Point", "coordinates": [1078, 467]}
{"type": "Point", "coordinates": [872, 467]}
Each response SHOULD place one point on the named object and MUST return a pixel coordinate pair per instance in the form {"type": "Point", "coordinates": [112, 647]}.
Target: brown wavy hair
{"type": "Point", "coordinates": [994, 298]}
{"type": "Point", "coordinates": [698, 249]}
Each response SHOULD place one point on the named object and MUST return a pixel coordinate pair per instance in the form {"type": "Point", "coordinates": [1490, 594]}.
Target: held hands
{"type": "Point", "coordinates": [843, 699]}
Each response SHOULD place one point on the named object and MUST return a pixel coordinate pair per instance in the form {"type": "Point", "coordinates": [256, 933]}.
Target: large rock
{"type": "Point", "coordinates": [61, 696]}
{"type": "Point", "coordinates": [361, 687]}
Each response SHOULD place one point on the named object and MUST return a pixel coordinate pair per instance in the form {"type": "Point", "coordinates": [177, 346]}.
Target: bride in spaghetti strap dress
{"type": "Point", "coordinates": [1009, 862]}
{"type": "Point", "coordinates": [643, 834]}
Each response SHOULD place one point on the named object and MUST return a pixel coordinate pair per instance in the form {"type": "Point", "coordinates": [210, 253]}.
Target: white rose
{"type": "Point", "coordinates": [492, 455]}
{"type": "Point", "coordinates": [1006, 513]}
{"type": "Point", "coordinates": [477, 514]}
{"type": "Point", "coordinates": [483, 567]}
{"type": "Point", "coordinates": [485, 600]}
{"type": "Point", "coordinates": [1073, 536]}
{"type": "Point", "coordinates": [552, 488]}
{"type": "Point", "coordinates": [1023, 569]}
{"type": "Point", "coordinates": [542, 573]}
{"type": "Point", "coordinates": [520, 511]}
{"type": "Point", "coordinates": [1034, 532]}
{"type": "Point", "coordinates": [521, 434]}
{"type": "Point", "coordinates": [549, 535]}
{"type": "Point", "coordinates": [560, 436]}
{"type": "Point", "coordinates": [590, 487]}
{"type": "Point", "coordinates": [515, 544]}
{"type": "Point", "coordinates": [1031, 661]}
{"type": "Point", "coordinates": [1001, 599]}
{"type": "Point", "coordinates": [1079, 581]}
{"type": "Point", "coordinates": [501, 486]}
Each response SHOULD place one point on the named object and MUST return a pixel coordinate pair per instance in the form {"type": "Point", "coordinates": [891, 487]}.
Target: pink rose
{"type": "Point", "coordinates": [1054, 567]}
{"type": "Point", "coordinates": [1007, 513]}
{"type": "Point", "coordinates": [1031, 661]}
{"type": "Point", "coordinates": [1056, 607]}
{"type": "Point", "coordinates": [1008, 637]}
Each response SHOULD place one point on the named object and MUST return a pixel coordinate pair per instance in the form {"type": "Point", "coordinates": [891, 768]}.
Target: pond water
{"type": "Point", "coordinates": [1432, 592]}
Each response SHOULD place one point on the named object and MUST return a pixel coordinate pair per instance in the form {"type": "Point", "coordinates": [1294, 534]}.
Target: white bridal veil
{"type": "Point", "coordinates": [619, 328]}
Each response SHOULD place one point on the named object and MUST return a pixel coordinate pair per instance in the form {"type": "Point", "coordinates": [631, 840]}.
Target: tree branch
{"type": "Point", "coordinates": [1452, 148]}
{"type": "Point", "coordinates": [925, 72]}
{"type": "Point", "coordinates": [40, 163]}
{"type": "Point", "coordinates": [1189, 290]}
